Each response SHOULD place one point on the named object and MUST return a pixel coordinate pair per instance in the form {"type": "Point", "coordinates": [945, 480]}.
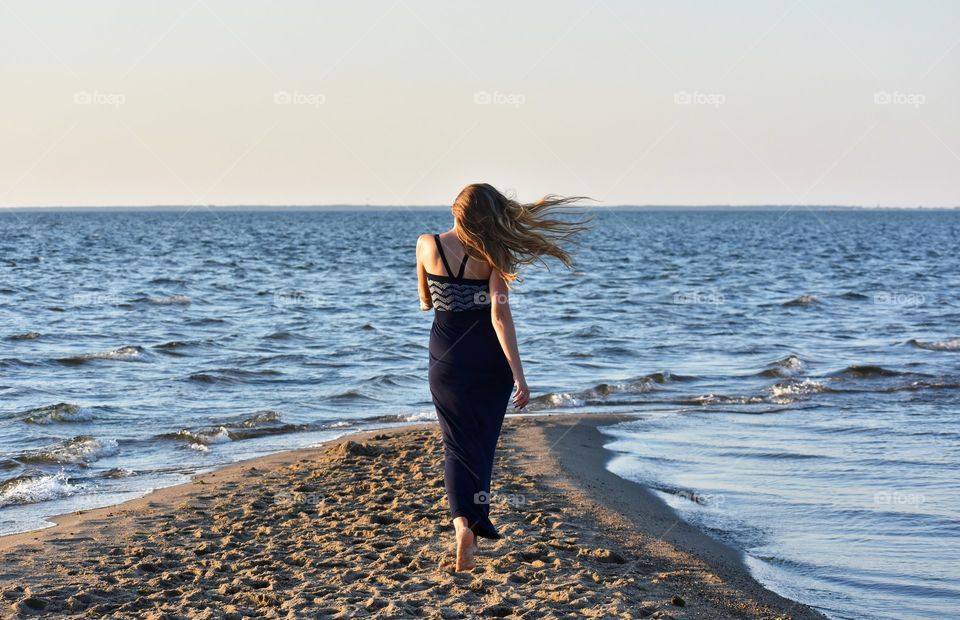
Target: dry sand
{"type": "Point", "coordinates": [358, 528]}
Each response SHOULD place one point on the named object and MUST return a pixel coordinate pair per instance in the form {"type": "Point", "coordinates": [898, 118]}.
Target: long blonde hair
{"type": "Point", "coordinates": [507, 233]}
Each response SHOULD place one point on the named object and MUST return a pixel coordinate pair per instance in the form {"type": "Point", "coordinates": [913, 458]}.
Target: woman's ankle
{"type": "Point", "coordinates": [460, 524]}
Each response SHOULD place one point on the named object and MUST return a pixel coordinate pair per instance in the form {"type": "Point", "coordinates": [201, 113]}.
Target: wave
{"type": "Point", "coordinates": [421, 416]}
{"type": "Point", "coordinates": [598, 394]}
{"type": "Point", "coordinates": [167, 280]}
{"type": "Point", "coordinates": [81, 450]}
{"type": "Point", "coordinates": [117, 472]}
{"type": "Point", "coordinates": [122, 354]}
{"type": "Point", "coordinates": [785, 456]}
{"type": "Point", "coordinates": [24, 336]}
{"type": "Point", "coordinates": [854, 295]}
{"type": "Point", "coordinates": [867, 371]}
{"type": "Point", "coordinates": [16, 362]}
{"type": "Point", "coordinates": [352, 396]}
{"type": "Point", "coordinates": [233, 375]}
{"type": "Point", "coordinates": [60, 412]}
{"type": "Point", "coordinates": [259, 418]}
{"type": "Point", "coordinates": [280, 335]}
{"type": "Point", "coordinates": [201, 439]}
{"type": "Point", "coordinates": [558, 400]}
{"type": "Point", "coordinates": [790, 390]}
{"type": "Point", "coordinates": [173, 344]}
{"type": "Point", "coordinates": [170, 300]}
{"type": "Point", "coordinates": [724, 399]}
{"type": "Point", "coordinates": [259, 424]}
{"type": "Point", "coordinates": [174, 348]}
{"type": "Point", "coordinates": [803, 300]}
{"type": "Point", "coordinates": [32, 488]}
{"type": "Point", "coordinates": [264, 431]}
{"type": "Point", "coordinates": [917, 386]}
{"type": "Point", "coordinates": [952, 344]}
{"type": "Point", "coordinates": [207, 320]}
{"type": "Point", "coordinates": [785, 367]}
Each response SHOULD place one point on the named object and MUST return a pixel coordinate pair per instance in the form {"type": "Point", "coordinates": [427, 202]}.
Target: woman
{"type": "Point", "coordinates": [474, 360]}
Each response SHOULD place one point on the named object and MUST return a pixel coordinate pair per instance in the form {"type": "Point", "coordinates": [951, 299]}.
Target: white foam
{"type": "Point", "coordinates": [172, 300]}
{"type": "Point", "coordinates": [201, 439]}
{"type": "Point", "coordinates": [558, 400]}
{"type": "Point", "coordinates": [31, 490]}
{"type": "Point", "coordinates": [87, 450]}
{"type": "Point", "coordinates": [127, 353]}
{"type": "Point", "coordinates": [722, 399]}
{"type": "Point", "coordinates": [786, 390]}
{"type": "Point", "coordinates": [422, 416]}
{"type": "Point", "coordinates": [221, 436]}
{"type": "Point", "coordinates": [943, 345]}
{"type": "Point", "coordinates": [76, 451]}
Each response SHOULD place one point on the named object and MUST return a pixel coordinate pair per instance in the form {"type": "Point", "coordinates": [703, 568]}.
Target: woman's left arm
{"type": "Point", "coordinates": [426, 302]}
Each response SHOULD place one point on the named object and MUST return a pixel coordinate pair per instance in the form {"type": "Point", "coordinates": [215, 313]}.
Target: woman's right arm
{"type": "Point", "coordinates": [502, 320]}
{"type": "Point", "coordinates": [423, 288]}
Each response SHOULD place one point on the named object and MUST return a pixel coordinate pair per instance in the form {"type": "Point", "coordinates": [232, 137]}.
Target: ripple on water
{"type": "Point", "coordinates": [122, 354]}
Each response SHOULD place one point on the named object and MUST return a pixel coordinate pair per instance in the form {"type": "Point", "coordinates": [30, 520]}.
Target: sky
{"type": "Point", "coordinates": [403, 102]}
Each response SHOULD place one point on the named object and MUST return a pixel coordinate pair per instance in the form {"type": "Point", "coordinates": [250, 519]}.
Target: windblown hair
{"type": "Point", "coordinates": [508, 234]}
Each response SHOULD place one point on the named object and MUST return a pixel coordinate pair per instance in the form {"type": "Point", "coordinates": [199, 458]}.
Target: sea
{"type": "Point", "coordinates": [796, 371]}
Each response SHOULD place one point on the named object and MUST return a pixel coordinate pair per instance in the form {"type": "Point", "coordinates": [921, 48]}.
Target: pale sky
{"type": "Point", "coordinates": [182, 102]}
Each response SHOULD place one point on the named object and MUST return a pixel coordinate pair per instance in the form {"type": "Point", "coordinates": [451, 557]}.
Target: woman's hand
{"type": "Point", "coordinates": [521, 395]}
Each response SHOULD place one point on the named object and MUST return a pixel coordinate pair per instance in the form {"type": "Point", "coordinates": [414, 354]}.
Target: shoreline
{"type": "Point", "coordinates": [578, 452]}
{"type": "Point", "coordinates": [298, 532]}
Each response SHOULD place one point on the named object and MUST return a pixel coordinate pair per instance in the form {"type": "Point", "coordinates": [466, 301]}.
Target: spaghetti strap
{"type": "Point", "coordinates": [443, 257]}
{"type": "Point", "coordinates": [463, 266]}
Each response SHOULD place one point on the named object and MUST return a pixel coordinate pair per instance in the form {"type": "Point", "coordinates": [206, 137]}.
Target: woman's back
{"type": "Point", "coordinates": [454, 254]}
{"type": "Point", "coordinates": [452, 286]}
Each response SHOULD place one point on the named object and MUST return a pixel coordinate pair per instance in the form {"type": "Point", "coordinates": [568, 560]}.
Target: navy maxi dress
{"type": "Point", "coordinates": [471, 383]}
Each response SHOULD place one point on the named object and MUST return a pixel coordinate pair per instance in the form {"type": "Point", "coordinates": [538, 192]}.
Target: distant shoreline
{"type": "Point", "coordinates": [359, 207]}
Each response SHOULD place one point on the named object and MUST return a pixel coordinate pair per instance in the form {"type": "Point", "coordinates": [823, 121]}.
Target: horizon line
{"type": "Point", "coordinates": [306, 207]}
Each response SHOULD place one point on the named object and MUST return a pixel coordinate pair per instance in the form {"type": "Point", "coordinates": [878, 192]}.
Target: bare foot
{"type": "Point", "coordinates": [466, 546]}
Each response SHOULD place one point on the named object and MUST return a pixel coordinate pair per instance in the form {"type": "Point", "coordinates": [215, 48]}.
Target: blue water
{"type": "Point", "coordinates": [798, 371]}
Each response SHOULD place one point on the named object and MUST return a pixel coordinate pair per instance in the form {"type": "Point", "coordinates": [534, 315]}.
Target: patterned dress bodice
{"type": "Point", "coordinates": [458, 294]}
{"type": "Point", "coordinates": [455, 293]}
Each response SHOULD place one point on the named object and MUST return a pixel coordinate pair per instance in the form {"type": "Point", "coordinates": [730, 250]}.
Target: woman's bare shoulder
{"type": "Point", "coordinates": [424, 241]}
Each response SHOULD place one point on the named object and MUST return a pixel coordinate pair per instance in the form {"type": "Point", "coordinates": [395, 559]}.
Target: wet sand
{"type": "Point", "coordinates": [358, 528]}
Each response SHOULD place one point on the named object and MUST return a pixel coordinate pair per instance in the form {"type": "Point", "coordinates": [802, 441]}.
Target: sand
{"type": "Point", "coordinates": [358, 528]}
